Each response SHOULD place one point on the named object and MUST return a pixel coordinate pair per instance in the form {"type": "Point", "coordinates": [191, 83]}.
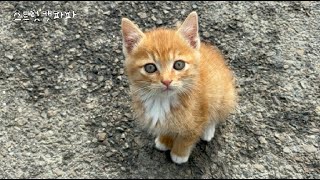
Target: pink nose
{"type": "Point", "coordinates": [166, 82]}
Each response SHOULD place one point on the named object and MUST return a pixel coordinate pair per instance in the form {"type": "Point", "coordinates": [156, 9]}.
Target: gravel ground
{"type": "Point", "coordinates": [64, 104]}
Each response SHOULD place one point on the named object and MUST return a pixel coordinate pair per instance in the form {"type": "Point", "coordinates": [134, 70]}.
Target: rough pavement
{"type": "Point", "coordinates": [64, 104]}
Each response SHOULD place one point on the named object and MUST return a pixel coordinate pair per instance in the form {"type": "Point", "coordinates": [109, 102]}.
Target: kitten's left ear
{"type": "Point", "coordinates": [131, 35]}
{"type": "Point", "coordinates": [189, 30]}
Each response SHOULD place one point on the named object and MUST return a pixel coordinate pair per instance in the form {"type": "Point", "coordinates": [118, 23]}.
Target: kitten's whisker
{"type": "Point", "coordinates": [143, 88]}
{"type": "Point", "coordinates": [184, 92]}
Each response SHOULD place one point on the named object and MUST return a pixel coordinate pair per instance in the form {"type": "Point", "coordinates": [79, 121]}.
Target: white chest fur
{"type": "Point", "coordinates": [157, 107]}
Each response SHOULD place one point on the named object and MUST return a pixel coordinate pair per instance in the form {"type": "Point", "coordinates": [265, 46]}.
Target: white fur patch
{"type": "Point", "coordinates": [160, 146]}
{"type": "Point", "coordinates": [179, 159]}
{"type": "Point", "coordinates": [158, 106]}
{"type": "Point", "coordinates": [208, 134]}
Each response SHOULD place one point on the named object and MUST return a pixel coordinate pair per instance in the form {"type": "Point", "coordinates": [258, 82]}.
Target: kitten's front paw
{"type": "Point", "coordinates": [179, 159]}
{"type": "Point", "coordinates": [160, 146]}
{"type": "Point", "coordinates": [207, 136]}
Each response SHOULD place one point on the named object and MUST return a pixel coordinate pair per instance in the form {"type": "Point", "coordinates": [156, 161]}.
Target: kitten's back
{"type": "Point", "coordinates": [218, 81]}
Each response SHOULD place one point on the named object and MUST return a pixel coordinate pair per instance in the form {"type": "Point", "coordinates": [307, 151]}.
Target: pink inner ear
{"type": "Point", "coordinates": [192, 40]}
{"type": "Point", "coordinates": [190, 33]}
{"type": "Point", "coordinates": [130, 40]}
{"type": "Point", "coordinates": [130, 43]}
{"type": "Point", "coordinates": [191, 37]}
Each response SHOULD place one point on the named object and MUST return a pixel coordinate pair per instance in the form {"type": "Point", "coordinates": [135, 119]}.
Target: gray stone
{"type": "Point", "coordinates": [101, 136]}
{"type": "Point", "coordinates": [310, 148]}
{"type": "Point", "coordinates": [123, 136]}
{"type": "Point", "coordinates": [109, 154]}
{"type": "Point", "coordinates": [206, 34]}
{"type": "Point", "coordinates": [286, 150]}
{"type": "Point", "coordinates": [259, 167]}
{"type": "Point", "coordinates": [103, 124]}
{"type": "Point", "coordinates": [262, 140]}
{"type": "Point", "coordinates": [159, 21]}
{"type": "Point", "coordinates": [142, 15]}
{"type": "Point", "coordinates": [8, 55]}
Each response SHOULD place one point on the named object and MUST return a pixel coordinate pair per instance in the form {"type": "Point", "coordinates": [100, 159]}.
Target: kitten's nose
{"type": "Point", "coordinates": [166, 82]}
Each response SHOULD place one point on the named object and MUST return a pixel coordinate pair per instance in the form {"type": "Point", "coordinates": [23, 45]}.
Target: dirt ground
{"type": "Point", "coordinates": [65, 110]}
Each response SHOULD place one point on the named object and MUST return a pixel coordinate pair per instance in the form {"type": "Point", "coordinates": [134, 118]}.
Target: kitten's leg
{"type": "Point", "coordinates": [164, 142]}
{"type": "Point", "coordinates": [209, 131]}
{"type": "Point", "coordinates": [181, 149]}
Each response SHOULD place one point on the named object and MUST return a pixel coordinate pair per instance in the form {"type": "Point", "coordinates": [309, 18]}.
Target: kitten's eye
{"type": "Point", "coordinates": [179, 65]}
{"type": "Point", "coordinates": [150, 68]}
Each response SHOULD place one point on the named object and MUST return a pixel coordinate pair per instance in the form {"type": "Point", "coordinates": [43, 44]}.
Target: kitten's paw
{"type": "Point", "coordinates": [160, 146]}
{"type": "Point", "coordinates": [179, 159]}
{"type": "Point", "coordinates": [208, 134]}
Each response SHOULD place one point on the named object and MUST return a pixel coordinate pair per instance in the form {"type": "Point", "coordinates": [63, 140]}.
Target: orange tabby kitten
{"type": "Point", "coordinates": [180, 88]}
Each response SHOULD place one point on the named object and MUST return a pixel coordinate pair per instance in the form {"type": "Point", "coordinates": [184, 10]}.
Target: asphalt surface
{"type": "Point", "coordinates": [65, 110]}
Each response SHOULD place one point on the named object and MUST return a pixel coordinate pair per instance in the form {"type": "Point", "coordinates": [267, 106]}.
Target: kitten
{"type": "Point", "coordinates": [180, 88]}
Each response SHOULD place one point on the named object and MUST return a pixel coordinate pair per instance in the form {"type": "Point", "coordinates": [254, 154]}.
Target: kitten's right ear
{"type": "Point", "coordinates": [131, 35]}
{"type": "Point", "coordinates": [189, 30]}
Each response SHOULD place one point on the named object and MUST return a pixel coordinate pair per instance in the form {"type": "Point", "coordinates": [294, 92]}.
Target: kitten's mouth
{"type": "Point", "coordinates": [167, 89]}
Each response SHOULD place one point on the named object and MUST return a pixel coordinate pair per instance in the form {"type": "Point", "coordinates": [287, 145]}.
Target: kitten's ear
{"type": "Point", "coordinates": [131, 35]}
{"type": "Point", "coordinates": [189, 30]}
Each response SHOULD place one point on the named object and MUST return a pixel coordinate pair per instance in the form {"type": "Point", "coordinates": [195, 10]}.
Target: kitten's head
{"type": "Point", "coordinates": [162, 61]}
